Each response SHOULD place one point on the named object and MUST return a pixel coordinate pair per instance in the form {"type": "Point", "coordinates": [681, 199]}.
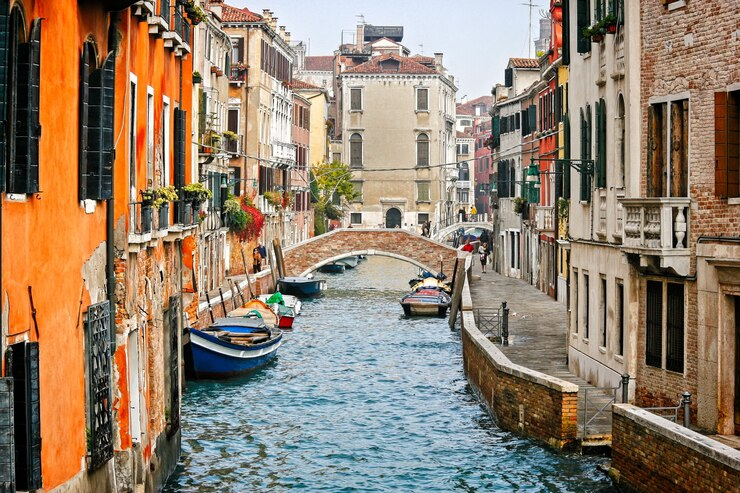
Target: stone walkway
{"type": "Point", "coordinates": [537, 336]}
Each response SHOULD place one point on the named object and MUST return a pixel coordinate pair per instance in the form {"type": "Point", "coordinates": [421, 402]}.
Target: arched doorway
{"type": "Point", "coordinates": [393, 218]}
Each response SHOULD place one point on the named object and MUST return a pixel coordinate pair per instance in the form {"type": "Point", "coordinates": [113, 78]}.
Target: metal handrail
{"type": "Point", "coordinates": [494, 323]}
{"type": "Point", "coordinates": [683, 402]}
{"type": "Point", "coordinates": [623, 384]}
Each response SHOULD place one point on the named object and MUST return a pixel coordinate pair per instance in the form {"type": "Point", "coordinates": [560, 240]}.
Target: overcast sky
{"type": "Point", "coordinates": [477, 37]}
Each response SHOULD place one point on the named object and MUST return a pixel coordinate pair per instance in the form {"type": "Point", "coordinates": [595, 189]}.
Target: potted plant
{"type": "Point", "coordinates": [196, 15]}
{"type": "Point", "coordinates": [520, 203]}
{"type": "Point", "coordinates": [255, 220]}
{"type": "Point", "coordinates": [157, 197]}
{"type": "Point", "coordinates": [229, 135]}
{"type": "Point", "coordinates": [197, 78]}
{"type": "Point", "coordinates": [274, 198]}
{"type": "Point", "coordinates": [287, 200]}
{"type": "Point", "coordinates": [196, 193]}
{"type": "Point", "coordinates": [609, 23]}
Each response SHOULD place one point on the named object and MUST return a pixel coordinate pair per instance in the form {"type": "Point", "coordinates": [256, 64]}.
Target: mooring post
{"type": "Point", "coordinates": [505, 324]}
{"type": "Point", "coordinates": [625, 387]}
{"type": "Point", "coordinates": [686, 409]}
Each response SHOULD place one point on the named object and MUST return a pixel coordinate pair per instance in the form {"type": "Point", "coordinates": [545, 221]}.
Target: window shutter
{"type": "Point", "coordinates": [654, 324]}
{"type": "Point", "coordinates": [566, 153]}
{"type": "Point", "coordinates": [509, 77]}
{"type": "Point", "coordinates": [240, 49]}
{"type": "Point", "coordinates": [655, 151]}
{"type": "Point", "coordinates": [532, 118]}
{"type": "Point", "coordinates": [720, 141]}
{"type": "Point", "coordinates": [24, 173]}
{"type": "Point", "coordinates": [100, 131]}
{"type": "Point", "coordinates": [87, 49]}
{"type": "Point", "coordinates": [583, 20]}
{"type": "Point", "coordinates": [679, 142]}
{"type": "Point", "coordinates": [179, 145]}
{"type": "Point", "coordinates": [7, 446]}
{"type": "Point", "coordinates": [565, 51]}
{"type": "Point", "coordinates": [26, 374]}
{"type": "Point", "coordinates": [517, 121]}
{"type": "Point", "coordinates": [601, 144]}
{"type": "Point", "coordinates": [4, 30]}
{"type": "Point", "coordinates": [674, 328]}
{"type": "Point", "coordinates": [585, 154]}
{"type": "Point", "coordinates": [422, 99]}
{"type": "Point", "coordinates": [496, 130]}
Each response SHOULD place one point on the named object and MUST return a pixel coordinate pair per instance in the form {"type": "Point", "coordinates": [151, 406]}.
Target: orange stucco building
{"type": "Point", "coordinates": [94, 110]}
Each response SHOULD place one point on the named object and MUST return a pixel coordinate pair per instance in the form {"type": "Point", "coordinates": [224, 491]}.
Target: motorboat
{"type": "Point", "coordinates": [426, 301]}
{"type": "Point", "coordinates": [303, 287]}
{"type": "Point", "coordinates": [257, 309]}
{"type": "Point", "coordinates": [283, 299]}
{"type": "Point", "coordinates": [430, 283]}
{"type": "Point", "coordinates": [349, 262]}
{"type": "Point", "coordinates": [333, 268]}
{"type": "Point", "coordinates": [230, 347]}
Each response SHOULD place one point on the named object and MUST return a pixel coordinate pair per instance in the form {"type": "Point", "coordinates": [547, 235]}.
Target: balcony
{"type": "Point", "coordinates": [656, 230]}
{"type": "Point", "coordinates": [463, 184]}
{"type": "Point", "coordinates": [140, 223]}
{"type": "Point", "coordinates": [159, 24]}
{"type": "Point", "coordinates": [143, 9]}
{"type": "Point", "coordinates": [233, 146]}
{"type": "Point", "coordinates": [178, 38]}
{"type": "Point", "coordinates": [545, 218]}
{"type": "Point", "coordinates": [238, 75]}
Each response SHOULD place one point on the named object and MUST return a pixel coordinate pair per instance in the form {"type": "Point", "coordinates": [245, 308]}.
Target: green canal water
{"type": "Point", "coordinates": [362, 399]}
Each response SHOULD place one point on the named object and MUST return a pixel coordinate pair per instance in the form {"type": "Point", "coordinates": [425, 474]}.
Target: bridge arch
{"type": "Point", "coordinates": [442, 233]}
{"type": "Point", "coordinates": [309, 255]}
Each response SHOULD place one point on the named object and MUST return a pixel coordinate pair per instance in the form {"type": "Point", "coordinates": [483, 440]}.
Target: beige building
{"type": "Point", "coordinates": [319, 98]}
{"type": "Point", "coordinates": [397, 119]}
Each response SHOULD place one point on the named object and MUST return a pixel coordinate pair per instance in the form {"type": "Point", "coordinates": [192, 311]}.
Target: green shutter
{"type": "Point", "coordinates": [24, 170]}
{"type": "Point", "coordinates": [26, 380]}
{"type": "Point", "coordinates": [100, 131]}
{"type": "Point", "coordinates": [179, 146]}
{"type": "Point", "coordinates": [87, 51]}
{"type": "Point", "coordinates": [601, 143]}
{"type": "Point", "coordinates": [4, 31]}
{"type": "Point", "coordinates": [583, 18]}
{"type": "Point", "coordinates": [566, 33]}
{"type": "Point", "coordinates": [532, 116]}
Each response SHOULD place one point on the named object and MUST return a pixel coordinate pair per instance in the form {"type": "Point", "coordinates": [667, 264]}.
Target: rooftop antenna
{"type": "Point", "coordinates": [421, 47]}
{"type": "Point", "coordinates": [361, 19]}
{"type": "Point", "coordinates": [530, 4]}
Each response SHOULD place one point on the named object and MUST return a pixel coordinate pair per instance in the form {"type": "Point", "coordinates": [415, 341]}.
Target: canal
{"type": "Point", "coordinates": [361, 399]}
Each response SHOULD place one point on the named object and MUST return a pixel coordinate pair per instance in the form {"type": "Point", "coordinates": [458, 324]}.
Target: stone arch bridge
{"type": "Point", "coordinates": [307, 256]}
{"type": "Point", "coordinates": [444, 232]}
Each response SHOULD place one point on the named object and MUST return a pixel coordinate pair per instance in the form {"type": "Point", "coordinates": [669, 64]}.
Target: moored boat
{"type": "Point", "coordinates": [426, 301]}
{"type": "Point", "coordinates": [287, 300]}
{"type": "Point", "coordinates": [303, 287]}
{"type": "Point", "coordinates": [256, 309]}
{"type": "Point", "coordinates": [349, 262]}
{"type": "Point", "coordinates": [430, 283]}
{"type": "Point", "coordinates": [333, 268]}
{"type": "Point", "coordinates": [230, 347]}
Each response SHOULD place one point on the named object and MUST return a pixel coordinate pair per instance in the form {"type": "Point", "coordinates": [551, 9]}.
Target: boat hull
{"type": "Point", "coordinates": [333, 268]}
{"type": "Point", "coordinates": [429, 302]}
{"type": "Point", "coordinates": [213, 358]}
{"type": "Point", "coordinates": [290, 301]}
{"type": "Point", "coordinates": [350, 262]}
{"type": "Point", "coordinates": [301, 287]}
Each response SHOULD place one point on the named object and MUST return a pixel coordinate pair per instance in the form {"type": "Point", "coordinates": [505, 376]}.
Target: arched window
{"type": "Point", "coordinates": [355, 151]}
{"type": "Point", "coordinates": [422, 150]}
{"type": "Point", "coordinates": [621, 146]}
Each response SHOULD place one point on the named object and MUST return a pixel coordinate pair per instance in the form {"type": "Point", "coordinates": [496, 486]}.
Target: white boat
{"type": "Point", "coordinates": [289, 300]}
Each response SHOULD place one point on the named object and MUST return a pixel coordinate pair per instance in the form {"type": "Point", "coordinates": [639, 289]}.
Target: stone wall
{"type": "Point", "coordinates": [650, 453]}
{"type": "Point", "coordinates": [520, 399]}
{"type": "Point", "coordinates": [398, 243]}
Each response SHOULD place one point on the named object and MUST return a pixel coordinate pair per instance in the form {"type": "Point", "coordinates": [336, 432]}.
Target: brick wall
{"type": "Point", "coordinates": [651, 454]}
{"type": "Point", "coordinates": [523, 400]}
{"type": "Point", "coordinates": [396, 242]}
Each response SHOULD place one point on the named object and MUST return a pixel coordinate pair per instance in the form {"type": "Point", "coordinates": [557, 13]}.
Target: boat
{"type": "Point", "coordinates": [430, 283]}
{"type": "Point", "coordinates": [426, 301]}
{"type": "Point", "coordinates": [302, 287]}
{"type": "Point", "coordinates": [257, 309]}
{"type": "Point", "coordinates": [230, 347]}
{"type": "Point", "coordinates": [349, 262]}
{"type": "Point", "coordinates": [333, 268]}
{"type": "Point", "coordinates": [287, 300]}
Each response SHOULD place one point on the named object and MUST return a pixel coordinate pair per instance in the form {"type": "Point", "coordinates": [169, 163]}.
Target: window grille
{"type": "Point", "coordinates": [355, 151]}
{"type": "Point", "coordinates": [422, 150]}
{"type": "Point", "coordinates": [98, 349]}
{"type": "Point", "coordinates": [175, 315]}
{"type": "Point", "coordinates": [422, 99]}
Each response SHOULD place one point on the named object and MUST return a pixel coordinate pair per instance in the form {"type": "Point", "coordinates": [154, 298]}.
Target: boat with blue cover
{"type": "Point", "coordinates": [303, 287]}
{"type": "Point", "coordinates": [230, 347]}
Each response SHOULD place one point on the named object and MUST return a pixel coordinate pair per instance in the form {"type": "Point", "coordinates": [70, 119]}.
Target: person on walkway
{"type": "Point", "coordinates": [473, 211]}
{"type": "Point", "coordinates": [467, 247]}
{"type": "Point", "coordinates": [483, 252]}
{"type": "Point", "coordinates": [425, 229]}
{"type": "Point", "coordinates": [263, 252]}
{"type": "Point", "coordinates": [484, 238]}
{"type": "Point", "coordinates": [256, 260]}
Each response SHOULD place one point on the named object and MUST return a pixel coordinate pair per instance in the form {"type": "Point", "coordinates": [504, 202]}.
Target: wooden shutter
{"type": "Point", "coordinates": [674, 327]}
{"type": "Point", "coordinates": [87, 53]}
{"type": "Point", "coordinates": [586, 154]}
{"type": "Point", "coordinates": [566, 153]}
{"type": "Point", "coordinates": [720, 144]}
{"type": "Point", "coordinates": [7, 434]}
{"type": "Point", "coordinates": [179, 146]}
{"type": "Point", "coordinates": [24, 173]}
{"type": "Point", "coordinates": [532, 115]}
{"type": "Point", "coordinates": [601, 143]}
{"type": "Point", "coordinates": [355, 151]}
{"type": "Point", "coordinates": [27, 416]}
{"type": "Point", "coordinates": [509, 77]}
{"type": "Point", "coordinates": [422, 99]}
{"type": "Point", "coordinates": [679, 144]}
{"type": "Point", "coordinates": [654, 324]}
{"type": "Point", "coordinates": [422, 150]}
{"type": "Point", "coordinates": [583, 18]}
{"type": "Point", "coordinates": [100, 131]}
{"type": "Point", "coordinates": [4, 40]}
{"type": "Point", "coordinates": [566, 33]}
{"type": "Point", "coordinates": [655, 151]}
{"type": "Point", "coordinates": [233, 121]}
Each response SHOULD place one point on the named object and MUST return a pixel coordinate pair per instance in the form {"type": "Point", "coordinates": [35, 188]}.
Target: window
{"type": "Point", "coordinates": [21, 75]}
{"type": "Point", "coordinates": [574, 290]}
{"type": "Point", "coordinates": [464, 172]}
{"type": "Point", "coordinates": [654, 324]}
{"type": "Point", "coordinates": [355, 151]}
{"type": "Point", "coordinates": [621, 141]}
{"type": "Point", "coordinates": [726, 141]}
{"type": "Point", "coordinates": [668, 142]}
{"type": "Point", "coordinates": [422, 99]}
{"type": "Point", "coordinates": [237, 50]}
{"type": "Point", "coordinates": [674, 327]}
{"type": "Point", "coordinates": [96, 125]}
{"type": "Point", "coordinates": [133, 186]}
{"type": "Point", "coordinates": [179, 163]}
{"type": "Point", "coordinates": [166, 141]}
{"type": "Point", "coordinates": [422, 150]}
{"type": "Point", "coordinates": [355, 99]}
{"type": "Point", "coordinates": [620, 316]}
{"type": "Point", "coordinates": [599, 9]}
{"type": "Point", "coordinates": [600, 168]}
{"type": "Point", "coordinates": [357, 187]}
{"type": "Point", "coordinates": [604, 309]}
{"type": "Point", "coordinates": [149, 137]}
{"type": "Point", "coordinates": [99, 364]}
{"type": "Point", "coordinates": [583, 20]}
{"type": "Point", "coordinates": [422, 191]}
{"type": "Point", "coordinates": [422, 217]}
{"type": "Point", "coordinates": [355, 218]}
{"type": "Point", "coordinates": [586, 153]}
{"type": "Point", "coordinates": [586, 307]}
{"type": "Point", "coordinates": [463, 149]}
{"type": "Point", "coordinates": [664, 334]}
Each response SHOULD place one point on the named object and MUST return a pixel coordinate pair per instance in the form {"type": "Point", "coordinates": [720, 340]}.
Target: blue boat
{"type": "Point", "coordinates": [230, 347]}
{"type": "Point", "coordinates": [333, 268]}
{"type": "Point", "coordinates": [303, 287]}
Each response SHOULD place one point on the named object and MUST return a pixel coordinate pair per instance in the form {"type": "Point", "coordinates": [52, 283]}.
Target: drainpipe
{"type": "Point", "coordinates": [110, 273]}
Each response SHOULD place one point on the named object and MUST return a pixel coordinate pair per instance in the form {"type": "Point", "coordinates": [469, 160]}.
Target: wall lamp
{"type": "Point", "coordinates": [581, 165]}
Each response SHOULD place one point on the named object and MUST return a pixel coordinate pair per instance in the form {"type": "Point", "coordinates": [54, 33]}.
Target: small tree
{"type": "Point", "coordinates": [330, 180]}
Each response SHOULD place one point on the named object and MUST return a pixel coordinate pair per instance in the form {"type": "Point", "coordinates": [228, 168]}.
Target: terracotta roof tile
{"type": "Point", "coordinates": [423, 59]}
{"type": "Point", "coordinates": [320, 63]}
{"type": "Point", "coordinates": [377, 65]}
{"type": "Point", "coordinates": [469, 107]}
{"type": "Point", "coordinates": [524, 62]}
{"type": "Point", "coordinates": [233, 14]}
{"type": "Point", "coordinates": [301, 84]}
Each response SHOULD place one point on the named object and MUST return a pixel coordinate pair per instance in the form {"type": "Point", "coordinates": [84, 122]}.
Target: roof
{"type": "Point", "coordinates": [423, 59]}
{"type": "Point", "coordinates": [469, 107]}
{"type": "Point", "coordinates": [320, 63]}
{"type": "Point", "coordinates": [233, 14]}
{"type": "Point", "coordinates": [524, 62]}
{"type": "Point", "coordinates": [378, 65]}
{"type": "Point", "coordinates": [467, 134]}
{"type": "Point", "coordinates": [302, 84]}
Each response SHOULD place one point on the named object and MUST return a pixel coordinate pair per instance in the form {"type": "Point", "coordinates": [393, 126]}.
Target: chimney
{"type": "Point", "coordinates": [216, 6]}
{"type": "Point", "coordinates": [287, 37]}
{"type": "Point", "coordinates": [360, 41]}
{"type": "Point", "coordinates": [282, 32]}
{"type": "Point", "coordinates": [438, 62]}
{"type": "Point", "coordinates": [273, 21]}
{"type": "Point", "coordinates": [266, 15]}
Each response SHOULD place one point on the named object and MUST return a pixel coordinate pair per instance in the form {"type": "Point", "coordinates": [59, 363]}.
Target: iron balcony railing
{"type": "Point", "coordinates": [165, 12]}
{"type": "Point", "coordinates": [233, 146]}
{"type": "Point", "coordinates": [140, 215]}
{"type": "Point", "coordinates": [185, 213]}
{"type": "Point", "coordinates": [238, 74]}
{"type": "Point", "coordinates": [163, 217]}
{"type": "Point", "coordinates": [181, 26]}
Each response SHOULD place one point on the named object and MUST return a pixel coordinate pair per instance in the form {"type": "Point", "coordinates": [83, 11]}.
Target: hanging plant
{"type": "Point", "coordinates": [196, 192]}
{"type": "Point", "coordinates": [157, 197]}
{"type": "Point", "coordinates": [197, 78]}
{"type": "Point", "coordinates": [274, 198]}
{"type": "Point", "coordinates": [519, 205]}
{"type": "Point", "coordinates": [236, 217]}
{"type": "Point", "coordinates": [255, 221]}
{"type": "Point", "coordinates": [287, 200]}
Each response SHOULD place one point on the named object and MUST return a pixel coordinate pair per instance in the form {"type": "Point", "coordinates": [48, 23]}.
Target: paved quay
{"type": "Point", "coordinates": [537, 333]}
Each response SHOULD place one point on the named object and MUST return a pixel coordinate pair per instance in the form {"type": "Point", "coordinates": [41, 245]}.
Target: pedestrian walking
{"type": "Point", "coordinates": [483, 252]}
{"type": "Point", "coordinates": [263, 253]}
{"type": "Point", "coordinates": [256, 260]}
{"type": "Point", "coordinates": [467, 247]}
